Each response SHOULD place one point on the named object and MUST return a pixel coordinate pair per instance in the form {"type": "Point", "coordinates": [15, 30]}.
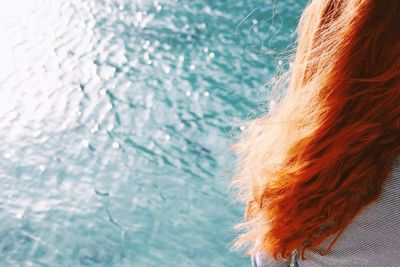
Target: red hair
{"type": "Point", "coordinates": [308, 167]}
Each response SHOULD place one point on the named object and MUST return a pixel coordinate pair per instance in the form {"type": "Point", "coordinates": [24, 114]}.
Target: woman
{"type": "Point", "coordinates": [320, 173]}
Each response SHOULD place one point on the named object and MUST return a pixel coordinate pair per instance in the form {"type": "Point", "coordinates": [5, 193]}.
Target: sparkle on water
{"type": "Point", "coordinates": [116, 119]}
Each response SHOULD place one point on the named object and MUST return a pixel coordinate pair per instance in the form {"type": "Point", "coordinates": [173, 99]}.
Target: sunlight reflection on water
{"type": "Point", "coordinates": [116, 119]}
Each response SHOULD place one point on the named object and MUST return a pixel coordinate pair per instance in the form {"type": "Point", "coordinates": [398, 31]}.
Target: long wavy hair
{"type": "Point", "coordinates": [313, 162]}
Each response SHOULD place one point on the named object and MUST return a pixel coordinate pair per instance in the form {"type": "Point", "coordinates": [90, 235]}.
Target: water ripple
{"type": "Point", "coordinates": [116, 119]}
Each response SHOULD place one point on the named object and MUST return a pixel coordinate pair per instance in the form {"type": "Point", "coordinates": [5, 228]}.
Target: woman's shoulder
{"type": "Point", "coordinates": [261, 260]}
{"type": "Point", "coordinates": [373, 237]}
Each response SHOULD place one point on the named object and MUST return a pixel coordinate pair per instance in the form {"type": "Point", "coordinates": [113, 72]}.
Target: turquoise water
{"type": "Point", "coordinates": [116, 119]}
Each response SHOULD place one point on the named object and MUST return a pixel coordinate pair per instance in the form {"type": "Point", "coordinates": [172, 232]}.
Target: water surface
{"type": "Point", "coordinates": [116, 119]}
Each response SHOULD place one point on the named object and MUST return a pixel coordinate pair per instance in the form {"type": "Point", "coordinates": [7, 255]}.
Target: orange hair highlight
{"type": "Point", "coordinates": [308, 167]}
